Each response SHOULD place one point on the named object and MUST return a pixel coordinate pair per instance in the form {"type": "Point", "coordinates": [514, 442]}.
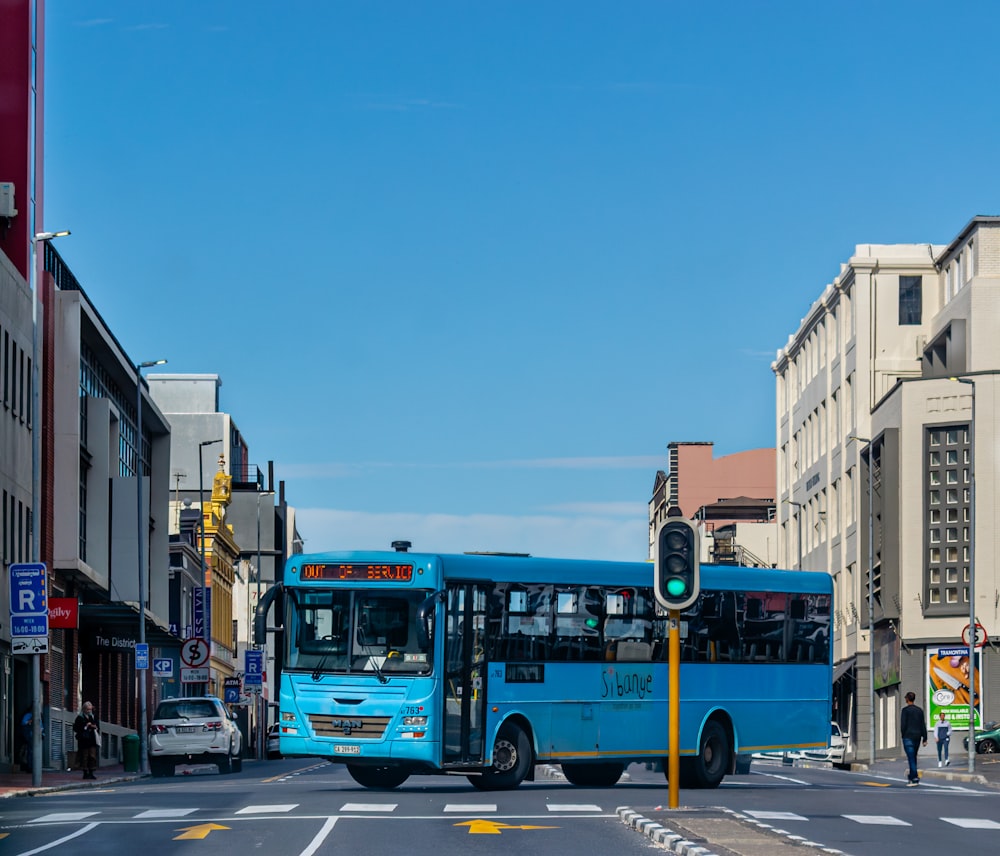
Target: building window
{"type": "Point", "coordinates": [910, 299]}
{"type": "Point", "coordinates": [946, 577]}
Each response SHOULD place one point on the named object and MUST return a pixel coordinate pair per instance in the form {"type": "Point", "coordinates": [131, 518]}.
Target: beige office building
{"type": "Point", "coordinates": [869, 376]}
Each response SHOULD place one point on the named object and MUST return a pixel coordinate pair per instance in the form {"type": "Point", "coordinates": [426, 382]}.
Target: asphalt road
{"type": "Point", "coordinates": [306, 807]}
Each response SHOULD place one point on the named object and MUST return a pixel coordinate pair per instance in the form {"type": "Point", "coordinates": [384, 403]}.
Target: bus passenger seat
{"type": "Point", "coordinates": [634, 650]}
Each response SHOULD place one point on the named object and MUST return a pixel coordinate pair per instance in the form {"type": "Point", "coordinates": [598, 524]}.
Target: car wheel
{"type": "Point", "coordinates": [987, 747]}
{"type": "Point", "coordinates": [512, 760]}
{"type": "Point", "coordinates": [162, 766]}
{"type": "Point", "coordinates": [225, 763]}
{"type": "Point", "coordinates": [237, 764]}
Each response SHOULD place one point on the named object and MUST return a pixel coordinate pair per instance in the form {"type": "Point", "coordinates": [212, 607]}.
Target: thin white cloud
{"type": "Point", "coordinates": [600, 509]}
{"type": "Point", "coordinates": [634, 462]}
{"type": "Point", "coordinates": [343, 469]}
{"type": "Point", "coordinates": [138, 27]}
{"type": "Point", "coordinates": [609, 538]}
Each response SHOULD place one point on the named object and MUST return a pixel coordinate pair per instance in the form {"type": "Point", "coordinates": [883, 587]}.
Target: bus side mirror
{"type": "Point", "coordinates": [425, 619]}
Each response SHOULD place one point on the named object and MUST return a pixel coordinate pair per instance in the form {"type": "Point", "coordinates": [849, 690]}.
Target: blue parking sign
{"type": "Point", "coordinates": [142, 655]}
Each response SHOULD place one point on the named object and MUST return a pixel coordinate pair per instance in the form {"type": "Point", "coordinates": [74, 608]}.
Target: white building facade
{"type": "Point", "coordinates": [866, 407]}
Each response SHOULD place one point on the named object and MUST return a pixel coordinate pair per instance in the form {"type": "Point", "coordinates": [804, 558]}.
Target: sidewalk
{"type": "Point", "coordinates": [19, 784]}
{"type": "Point", "coordinates": [987, 769]}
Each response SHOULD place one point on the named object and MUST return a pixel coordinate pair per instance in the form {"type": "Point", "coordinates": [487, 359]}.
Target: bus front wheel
{"type": "Point", "coordinates": [511, 761]}
{"type": "Point", "coordinates": [594, 774]}
{"type": "Point", "coordinates": [384, 778]}
{"type": "Point", "coordinates": [710, 765]}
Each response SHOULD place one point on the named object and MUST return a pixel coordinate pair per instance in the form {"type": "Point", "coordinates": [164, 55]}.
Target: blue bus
{"type": "Point", "coordinates": [484, 665]}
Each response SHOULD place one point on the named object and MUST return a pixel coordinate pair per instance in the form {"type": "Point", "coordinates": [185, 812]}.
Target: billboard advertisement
{"type": "Point", "coordinates": [950, 680]}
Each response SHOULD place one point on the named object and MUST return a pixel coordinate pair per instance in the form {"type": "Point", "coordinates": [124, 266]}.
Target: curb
{"type": "Point", "coordinates": [661, 834]}
{"type": "Point", "coordinates": [31, 791]}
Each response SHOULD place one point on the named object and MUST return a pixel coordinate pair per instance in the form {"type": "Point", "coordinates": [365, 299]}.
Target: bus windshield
{"type": "Point", "coordinates": [355, 630]}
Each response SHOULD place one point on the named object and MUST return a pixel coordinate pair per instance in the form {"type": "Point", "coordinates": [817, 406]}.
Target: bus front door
{"type": "Point", "coordinates": [465, 674]}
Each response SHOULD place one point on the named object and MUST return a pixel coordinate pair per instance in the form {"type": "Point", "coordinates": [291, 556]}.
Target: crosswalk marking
{"type": "Point", "coordinates": [470, 808]}
{"type": "Point", "coordinates": [877, 819]}
{"type": "Point", "coordinates": [267, 809]}
{"type": "Point", "coordinates": [972, 822]}
{"type": "Point", "coordinates": [775, 815]}
{"type": "Point", "coordinates": [573, 807]}
{"type": "Point", "coordinates": [368, 807]}
{"type": "Point", "coordinates": [61, 817]}
{"type": "Point", "coordinates": [157, 813]}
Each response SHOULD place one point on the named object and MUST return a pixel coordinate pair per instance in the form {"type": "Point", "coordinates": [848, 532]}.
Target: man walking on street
{"type": "Point", "coordinates": [913, 730]}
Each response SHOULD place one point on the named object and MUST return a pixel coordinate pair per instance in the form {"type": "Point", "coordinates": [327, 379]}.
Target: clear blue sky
{"type": "Point", "coordinates": [466, 268]}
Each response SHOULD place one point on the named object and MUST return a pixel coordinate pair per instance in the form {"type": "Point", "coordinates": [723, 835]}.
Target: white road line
{"type": "Point", "coordinates": [368, 807]}
{"type": "Point", "coordinates": [877, 819]}
{"type": "Point", "coordinates": [320, 837]}
{"type": "Point", "coordinates": [775, 815]}
{"type": "Point", "coordinates": [267, 809]}
{"type": "Point", "coordinates": [61, 817]}
{"type": "Point", "coordinates": [62, 840]}
{"type": "Point", "coordinates": [470, 808]}
{"type": "Point", "coordinates": [783, 778]}
{"type": "Point", "coordinates": [573, 807]}
{"type": "Point", "coordinates": [972, 822]}
{"type": "Point", "coordinates": [156, 813]}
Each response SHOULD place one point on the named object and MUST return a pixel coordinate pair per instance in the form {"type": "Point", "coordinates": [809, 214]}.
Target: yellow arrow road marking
{"type": "Point", "coordinates": [199, 831]}
{"type": "Point", "coordinates": [876, 784]}
{"type": "Point", "coordinates": [492, 827]}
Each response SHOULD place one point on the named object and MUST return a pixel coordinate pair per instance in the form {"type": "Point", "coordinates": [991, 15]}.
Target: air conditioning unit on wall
{"type": "Point", "coordinates": [7, 208]}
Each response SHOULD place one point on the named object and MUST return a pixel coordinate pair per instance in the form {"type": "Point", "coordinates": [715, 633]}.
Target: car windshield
{"type": "Point", "coordinates": [186, 709]}
{"type": "Point", "coordinates": [355, 630]}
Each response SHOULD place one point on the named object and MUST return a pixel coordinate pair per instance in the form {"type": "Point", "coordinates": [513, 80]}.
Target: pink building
{"type": "Point", "coordinates": [699, 484]}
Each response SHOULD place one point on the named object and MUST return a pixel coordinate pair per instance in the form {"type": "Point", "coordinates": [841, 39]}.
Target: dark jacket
{"type": "Point", "coordinates": [86, 729]}
{"type": "Point", "coordinates": [911, 723]}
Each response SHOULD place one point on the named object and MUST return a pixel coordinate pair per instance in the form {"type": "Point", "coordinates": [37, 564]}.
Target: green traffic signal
{"type": "Point", "coordinates": [676, 587]}
{"type": "Point", "coordinates": [676, 576]}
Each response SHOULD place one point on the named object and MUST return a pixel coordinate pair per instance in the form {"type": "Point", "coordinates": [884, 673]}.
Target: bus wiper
{"type": "Point", "coordinates": [318, 671]}
{"type": "Point", "coordinates": [382, 679]}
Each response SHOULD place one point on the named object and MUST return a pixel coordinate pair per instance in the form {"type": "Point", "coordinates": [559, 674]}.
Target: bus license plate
{"type": "Point", "coordinates": [348, 749]}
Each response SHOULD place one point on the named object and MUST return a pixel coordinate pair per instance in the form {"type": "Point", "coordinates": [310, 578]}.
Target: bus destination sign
{"type": "Point", "coordinates": [362, 571]}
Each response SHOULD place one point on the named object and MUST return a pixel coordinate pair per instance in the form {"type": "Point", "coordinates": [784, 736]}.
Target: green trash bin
{"type": "Point", "coordinates": [130, 753]}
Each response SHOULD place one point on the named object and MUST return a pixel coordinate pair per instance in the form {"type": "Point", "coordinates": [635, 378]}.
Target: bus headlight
{"type": "Point", "coordinates": [414, 720]}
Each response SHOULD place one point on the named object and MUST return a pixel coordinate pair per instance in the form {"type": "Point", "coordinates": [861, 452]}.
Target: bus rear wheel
{"type": "Point", "coordinates": [384, 778]}
{"type": "Point", "coordinates": [595, 774]}
{"type": "Point", "coordinates": [511, 761]}
{"type": "Point", "coordinates": [710, 765]}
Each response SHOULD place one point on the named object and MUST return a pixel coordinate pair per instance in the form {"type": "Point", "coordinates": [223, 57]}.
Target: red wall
{"type": "Point", "coordinates": [15, 122]}
{"type": "Point", "coordinates": [702, 479]}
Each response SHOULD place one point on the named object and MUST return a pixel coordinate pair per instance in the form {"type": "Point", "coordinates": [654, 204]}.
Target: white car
{"type": "Point", "coordinates": [194, 729]}
{"type": "Point", "coordinates": [834, 753]}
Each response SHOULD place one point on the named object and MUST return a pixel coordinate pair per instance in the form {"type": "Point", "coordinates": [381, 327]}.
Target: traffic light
{"type": "Point", "coordinates": [678, 565]}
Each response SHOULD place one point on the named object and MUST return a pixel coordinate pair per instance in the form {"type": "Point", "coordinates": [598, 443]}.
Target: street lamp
{"type": "Point", "coordinates": [143, 525]}
{"type": "Point", "coordinates": [36, 490]}
{"type": "Point", "coordinates": [871, 601]}
{"type": "Point", "coordinates": [205, 581]}
{"type": "Point", "coordinates": [973, 635]}
{"type": "Point", "coordinates": [798, 523]}
{"type": "Point", "coordinates": [261, 644]}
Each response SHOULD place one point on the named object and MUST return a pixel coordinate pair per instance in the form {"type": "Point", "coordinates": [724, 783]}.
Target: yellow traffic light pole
{"type": "Point", "coordinates": [674, 708]}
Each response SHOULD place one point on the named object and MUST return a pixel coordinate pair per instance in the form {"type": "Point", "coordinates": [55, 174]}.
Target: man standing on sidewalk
{"type": "Point", "coordinates": [913, 730]}
{"type": "Point", "coordinates": [87, 731]}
